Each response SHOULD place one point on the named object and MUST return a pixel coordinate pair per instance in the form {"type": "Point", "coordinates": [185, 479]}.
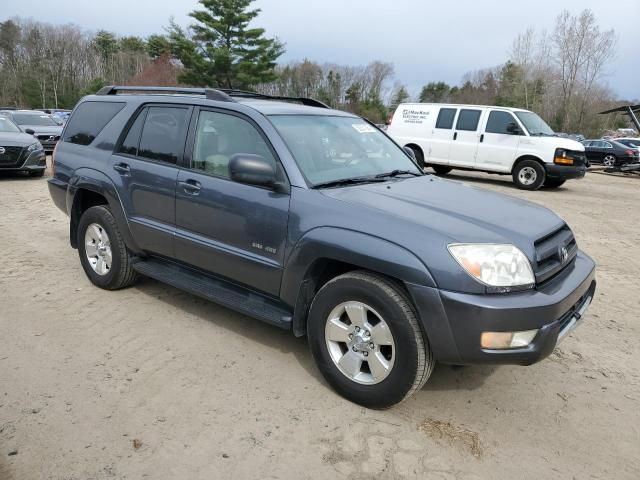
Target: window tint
{"type": "Point", "coordinates": [587, 143]}
{"type": "Point", "coordinates": [607, 145]}
{"type": "Point", "coordinates": [445, 118]}
{"type": "Point", "coordinates": [88, 120]}
{"type": "Point", "coordinates": [130, 142]}
{"type": "Point", "coordinates": [499, 121]}
{"type": "Point", "coordinates": [468, 120]}
{"type": "Point", "coordinates": [163, 134]}
{"type": "Point", "coordinates": [219, 137]}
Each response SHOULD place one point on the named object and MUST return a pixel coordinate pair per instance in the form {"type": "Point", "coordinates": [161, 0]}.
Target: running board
{"type": "Point", "coordinates": [216, 290]}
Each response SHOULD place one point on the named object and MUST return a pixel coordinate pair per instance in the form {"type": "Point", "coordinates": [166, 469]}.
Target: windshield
{"type": "Point", "coordinates": [329, 149]}
{"type": "Point", "coordinates": [7, 125]}
{"type": "Point", "coordinates": [534, 124]}
{"type": "Point", "coordinates": [34, 119]}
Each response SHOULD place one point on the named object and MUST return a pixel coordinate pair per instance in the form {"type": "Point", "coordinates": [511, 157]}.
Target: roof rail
{"type": "Point", "coordinates": [310, 102]}
{"type": "Point", "coordinates": [209, 93]}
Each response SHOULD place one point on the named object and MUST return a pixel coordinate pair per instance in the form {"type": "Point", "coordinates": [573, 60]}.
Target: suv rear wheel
{"type": "Point", "coordinates": [529, 175]}
{"type": "Point", "coordinates": [365, 338]}
{"type": "Point", "coordinates": [103, 253]}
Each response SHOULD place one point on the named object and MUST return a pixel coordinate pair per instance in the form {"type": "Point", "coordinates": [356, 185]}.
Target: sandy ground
{"type": "Point", "coordinates": [150, 382]}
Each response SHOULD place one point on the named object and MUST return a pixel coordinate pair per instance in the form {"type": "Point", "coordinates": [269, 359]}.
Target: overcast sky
{"type": "Point", "coordinates": [425, 40]}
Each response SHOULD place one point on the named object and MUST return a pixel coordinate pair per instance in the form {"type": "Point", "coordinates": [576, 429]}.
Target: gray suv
{"type": "Point", "coordinates": [315, 221]}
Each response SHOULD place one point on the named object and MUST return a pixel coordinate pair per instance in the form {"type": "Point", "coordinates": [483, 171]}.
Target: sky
{"type": "Point", "coordinates": [426, 40]}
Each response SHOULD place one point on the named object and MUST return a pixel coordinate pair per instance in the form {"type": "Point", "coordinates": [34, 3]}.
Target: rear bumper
{"type": "Point", "coordinates": [454, 321]}
{"type": "Point", "coordinates": [58, 192]}
{"type": "Point", "coordinates": [564, 172]}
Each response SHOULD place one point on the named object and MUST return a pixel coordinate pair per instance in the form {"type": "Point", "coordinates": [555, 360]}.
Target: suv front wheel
{"type": "Point", "coordinates": [103, 253]}
{"type": "Point", "coordinates": [365, 338]}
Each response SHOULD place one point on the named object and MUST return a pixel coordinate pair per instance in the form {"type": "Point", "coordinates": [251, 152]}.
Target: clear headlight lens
{"type": "Point", "coordinates": [496, 265]}
{"type": "Point", "coordinates": [34, 146]}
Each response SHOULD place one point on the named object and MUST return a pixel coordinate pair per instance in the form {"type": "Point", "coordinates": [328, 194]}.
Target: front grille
{"type": "Point", "coordinates": [11, 158]}
{"type": "Point", "coordinates": [48, 138]}
{"type": "Point", "coordinates": [554, 252]}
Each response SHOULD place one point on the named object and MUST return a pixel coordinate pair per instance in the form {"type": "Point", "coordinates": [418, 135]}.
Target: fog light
{"type": "Point", "coordinates": [501, 340]}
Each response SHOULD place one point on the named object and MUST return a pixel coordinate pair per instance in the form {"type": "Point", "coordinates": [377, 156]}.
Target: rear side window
{"type": "Point", "coordinates": [129, 145]}
{"type": "Point", "coordinates": [163, 134]}
{"type": "Point", "coordinates": [499, 121]}
{"type": "Point", "coordinates": [445, 118]}
{"type": "Point", "coordinates": [88, 120]}
{"type": "Point", "coordinates": [468, 120]}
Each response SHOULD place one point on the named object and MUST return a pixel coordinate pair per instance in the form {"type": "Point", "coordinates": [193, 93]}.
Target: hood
{"type": "Point", "coordinates": [10, 139]}
{"type": "Point", "coordinates": [43, 129]}
{"type": "Point", "coordinates": [456, 212]}
{"type": "Point", "coordinates": [554, 142]}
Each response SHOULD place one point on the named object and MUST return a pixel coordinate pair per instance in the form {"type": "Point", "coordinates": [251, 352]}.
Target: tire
{"type": "Point", "coordinates": [441, 169]}
{"type": "Point", "coordinates": [389, 315]}
{"type": "Point", "coordinates": [98, 227]}
{"type": "Point", "coordinates": [36, 173]}
{"type": "Point", "coordinates": [553, 182]}
{"type": "Point", "coordinates": [609, 160]}
{"type": "Point", "coordinates": [529, 175]}
{"type": "Point", "coordinates": [419, 156]}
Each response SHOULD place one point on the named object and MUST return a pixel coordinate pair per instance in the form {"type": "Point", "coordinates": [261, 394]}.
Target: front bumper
{"type": "Point", "coordinates": [454, 321]}
{"type": "Point", "coordinates": [35, 161]}
{"type": "Point", "coordinates": [565, 172]}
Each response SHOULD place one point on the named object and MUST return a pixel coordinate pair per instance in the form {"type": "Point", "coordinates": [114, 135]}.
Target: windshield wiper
{"type": "Point", "coordinates": [348, 181]}
{"type": "Point", "coordinates": [395, 173]}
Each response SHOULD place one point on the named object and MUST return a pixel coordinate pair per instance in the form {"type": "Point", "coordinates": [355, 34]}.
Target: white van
{"type": "Point", "coordinates": [500, 140]}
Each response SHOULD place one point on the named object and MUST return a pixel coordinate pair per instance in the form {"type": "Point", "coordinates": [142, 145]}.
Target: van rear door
{"type": "Point", "coordinates": [498, 146]}
{"type": "Point", "coordinates": [466, 138]}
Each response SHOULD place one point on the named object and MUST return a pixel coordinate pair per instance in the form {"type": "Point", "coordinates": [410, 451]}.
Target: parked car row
{"type": "Point", "coordinates": [39, 124]}
{"type": "Point", "coordinates": [612, 153]}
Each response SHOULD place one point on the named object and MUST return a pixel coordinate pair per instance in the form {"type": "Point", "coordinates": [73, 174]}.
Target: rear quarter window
{"type": "Point", "coordinates": [88, 120]}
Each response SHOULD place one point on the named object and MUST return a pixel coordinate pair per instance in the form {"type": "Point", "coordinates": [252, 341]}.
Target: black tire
{"type": "Point", "coordinates": [419, 156]}
{"type": "Point", "coordinates": [413, 361]}
{"type": "Point", "coordinates": [36, 173]}
{"type": "Point", "coordinates": [554, 182]}
{"type": "Point", "coordinates": [529, 175]}
{"type": "Point", "coordinates": [121, 273]}
{"type": "Point", "coordinates": [441, 169]}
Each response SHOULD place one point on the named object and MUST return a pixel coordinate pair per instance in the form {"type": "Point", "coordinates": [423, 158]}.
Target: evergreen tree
{"type": "Point", "coordinates": [223, 51]}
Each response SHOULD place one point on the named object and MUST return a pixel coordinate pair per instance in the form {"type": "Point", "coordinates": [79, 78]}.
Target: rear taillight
{"type": "Point", "coordinates": [53, 160]}
{"type": "Point", "coordinates": [631, 153]}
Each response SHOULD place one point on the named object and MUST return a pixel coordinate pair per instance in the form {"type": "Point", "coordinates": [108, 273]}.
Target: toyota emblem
{"type": "Point", "coordinates": [2, 150]}
{"type": "Point", "coordinates": [563, 254]}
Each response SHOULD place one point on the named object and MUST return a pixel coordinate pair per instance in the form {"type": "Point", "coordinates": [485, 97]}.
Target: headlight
{"type": "Point", "coordinates": [496, 265]}
{"type": "Point", "coordinates": [562, 157]}
{"type": "Point", "coordinates": [34, 146]}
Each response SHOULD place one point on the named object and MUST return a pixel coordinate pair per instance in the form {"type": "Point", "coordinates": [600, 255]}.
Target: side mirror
{"type": "Point", "coordinates": [513, 129]}
{"type": "Point", "coordinates": [252, 170]}
{"type": "Point", "coordinates": [29, 131]}
{"type": "Point", "coordinates": [409, 151]}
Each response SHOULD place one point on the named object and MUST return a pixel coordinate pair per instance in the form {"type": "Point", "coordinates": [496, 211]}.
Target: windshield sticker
{"type": "Point", "coordinates": [363, 128]}
{"type": "Point", "coordinates": [415, 116]}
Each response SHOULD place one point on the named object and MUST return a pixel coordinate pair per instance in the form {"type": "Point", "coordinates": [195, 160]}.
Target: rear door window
{"type": "Point", "coordinates": [445, 118]}
{"type": "Point", "coordinates": [129, 145]}
{"type": "Point", "coordinates": [468, 120]}
{"type": "Point", "coordinates": [163, 134]}
{"type": "Point", "coordinates": [88, 120]}
{"type": "Point", "coordinates": [498, 122]}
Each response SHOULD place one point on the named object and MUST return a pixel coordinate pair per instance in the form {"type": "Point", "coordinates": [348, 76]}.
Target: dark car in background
{"type": "Point", "coordinates": [39, 124]}
{"type": "Point", "coordinates": [19, 151]}
{"type": "Point", "coordinates": [609, 153]}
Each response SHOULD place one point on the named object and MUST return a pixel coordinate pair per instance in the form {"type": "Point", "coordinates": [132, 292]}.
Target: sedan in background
{"type": "Point", "coordinates": [609, 153]}
{"type": "Point", "coordinates": [19, 151]}
{"type": "Point", "coordinates": [39, 124]}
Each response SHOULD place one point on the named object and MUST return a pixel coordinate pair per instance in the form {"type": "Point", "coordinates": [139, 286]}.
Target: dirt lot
{"type": "Point", "coordinates": [154, 383]}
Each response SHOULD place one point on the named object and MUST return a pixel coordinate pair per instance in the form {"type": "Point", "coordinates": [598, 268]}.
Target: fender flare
{"type": "Point", "coordinates": [97, 182]}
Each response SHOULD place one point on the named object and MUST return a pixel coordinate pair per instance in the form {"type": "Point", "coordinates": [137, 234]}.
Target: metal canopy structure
{"type": "Point", "coordinates": [628, 110]}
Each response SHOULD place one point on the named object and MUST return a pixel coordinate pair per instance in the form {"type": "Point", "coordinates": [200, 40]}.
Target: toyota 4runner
{"type": "Point", "coordinates": [315, 221]}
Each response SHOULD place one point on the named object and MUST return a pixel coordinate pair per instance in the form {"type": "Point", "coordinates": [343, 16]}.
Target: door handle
{"type": "Point", "coordinates": [190, 186]}
{"type": "Point", "coordinates": [455, 135]}
{"type": "Point", "coordinates": [481, 138]}
{"type": "Point", "coordinates": [122, 168]}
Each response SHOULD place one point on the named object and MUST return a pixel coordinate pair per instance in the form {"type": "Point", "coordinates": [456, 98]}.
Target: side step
{"type": "Point", "coordinates": [219, 291]}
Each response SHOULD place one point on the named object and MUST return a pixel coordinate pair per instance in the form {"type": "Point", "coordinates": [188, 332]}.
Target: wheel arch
{"type": "Point", "coordinates": [527, 156]}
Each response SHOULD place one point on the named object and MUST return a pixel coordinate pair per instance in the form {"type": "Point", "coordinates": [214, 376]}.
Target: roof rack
{"type": "Point", "coordinates": [209, 93]}
{"type": "Point", "coordinates": [218, 94]}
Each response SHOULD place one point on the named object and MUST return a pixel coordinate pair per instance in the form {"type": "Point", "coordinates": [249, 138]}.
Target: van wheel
{"type": "Point", "coordinates": [365, 338]}
{"type": "Point", "coordinates": [529, 175]}
{"type": "Point", "coordinates": [441, 169]}
{"type": "Point", "coordinates": [103, 253]}
{"type": "Point", "coordinates": [553, 182]}
{"type": "Point", "coordinates": [419, 157]}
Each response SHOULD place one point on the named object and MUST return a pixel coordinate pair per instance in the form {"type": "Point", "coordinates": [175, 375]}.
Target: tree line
{"type": "Point", "coordinates": [558, 74]}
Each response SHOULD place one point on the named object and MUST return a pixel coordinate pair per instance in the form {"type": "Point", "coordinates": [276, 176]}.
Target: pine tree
{"type": "Point", "coordinates": [223, 51]}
